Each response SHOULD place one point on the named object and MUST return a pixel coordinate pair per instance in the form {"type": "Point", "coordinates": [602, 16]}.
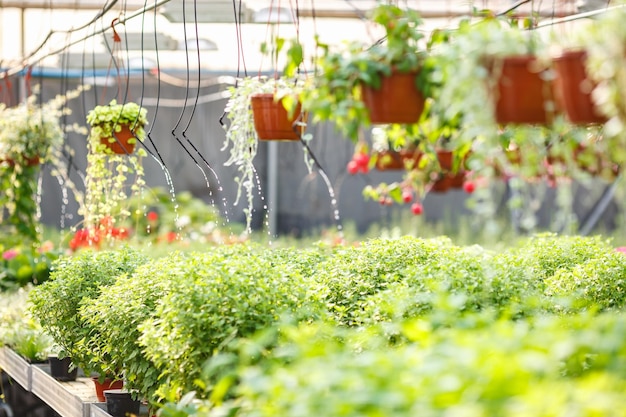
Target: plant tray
{"type": "Point", "coordinates": [17, 367]}
{"type": "Point", "coordinates": [98, 410]}
{"type": "Point", "coordinates": [70, 399]}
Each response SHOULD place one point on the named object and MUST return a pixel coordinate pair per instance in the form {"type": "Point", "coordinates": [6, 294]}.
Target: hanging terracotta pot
{"type": "Point", "coordinates": [121, 146]}
{"type": "Point", "coordinates": [28, 162]}
{"type": "Point", "coordinates": [398, 100]}
{"type": "Point", "coordinates": [523, 92]}
{"type": "Point", "coordinates": [271, 120]}
{"type": "Point", "coordinates": [443, 184]}
{"type": "Point", "coordinates": [448, 178]}
{"type": "Point", "coordinates": [392, 160]}
{"type": "Point", "coordinates": [457, 180]}
{"type": "Point", "coordinates": [446, 159]}
{"type": "Point", "coordinates": [573, 88]}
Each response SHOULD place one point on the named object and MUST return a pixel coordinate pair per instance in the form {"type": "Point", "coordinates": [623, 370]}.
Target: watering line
{"type": "Point", "coordinates": [103, 11]}
{"type": "Point", "coordinates": [578, 16]}
{"type": "Point", "coordinates": [25, 63]}
{"type": "Point", "coordinates": [179, 82]}
{"type": "Point", "coordinates": [179, 103]}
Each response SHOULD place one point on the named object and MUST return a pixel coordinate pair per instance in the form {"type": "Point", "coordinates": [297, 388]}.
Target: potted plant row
{"type": "Point", "coordinates": [56, 306]}
{"type": "Point", "coordinates": [473, 109]}
{"type": "Point", "coordinates": [466, 100]}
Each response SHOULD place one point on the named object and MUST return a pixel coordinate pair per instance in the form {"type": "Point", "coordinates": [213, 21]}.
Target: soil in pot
{"type": "Point", "coordinates": [106, 384]}
{"type": "Point", "coordinates": [60, 369]}
{"type": "Point", "coordinates": [398, 100]}
{"type": "Point", "coordinates": [28, 162]}
{"type": "Point", "coordinates": [120, 403]}
{"type": "Point", "coordinates": [272, 121]}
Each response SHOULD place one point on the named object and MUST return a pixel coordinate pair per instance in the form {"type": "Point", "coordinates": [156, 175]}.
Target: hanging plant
{"type": "Point", "coordinates": [31, 133]}
{"type": "Point", "coordinates": [114, 173]}
{"type": "Point", "coordinates": [350, 81]}
{"type": "Point", "coordinates": [242, 138]}
{"type": "Point", "coordinates": [115, 127]}
{"type": "Point", "coordinates": [280, 92]}
{"type": "Point", "coordinates": [606, 67]}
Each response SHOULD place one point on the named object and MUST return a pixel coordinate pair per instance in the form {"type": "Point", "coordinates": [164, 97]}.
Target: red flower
{"type": "Point", "coordinates": [172, 236]}
{"type": "Point", "coordinates": [82, 238]}
{"type": "Point", "coordinates": [152, 216]}
{"type": "Point", "coordinates": [89, 238]}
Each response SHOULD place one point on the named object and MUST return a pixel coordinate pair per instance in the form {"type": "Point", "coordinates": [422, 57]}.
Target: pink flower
{"type": "Point", "coordinates": [621, 249]}
{"type": "Point", "coordinates": [46, 246]}
{"type": "Point", "coordinates": [9, 254]}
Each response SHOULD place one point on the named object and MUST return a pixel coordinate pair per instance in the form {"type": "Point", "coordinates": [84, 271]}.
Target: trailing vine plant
{"type": "Point", "coordinates": [112, 177]}
{"type": "Point", "coordinates": [31, 134]}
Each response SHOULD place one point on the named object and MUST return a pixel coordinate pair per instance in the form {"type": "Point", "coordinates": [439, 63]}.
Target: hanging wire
{"type": "Point", "coordinates": [579, 16]}
{"type": "Point", "coordinates": [195, 104]}
{"type": "Point", "coordinates": [158, 67]}
{"type": "Point", "coordinates": [187, 88]}
{"type": "Point", "coordinates": [186, 42]}
{"type": "Point", "coordinates": [241, 62]}
{"type": "Point", "coordinates": [198, 86]}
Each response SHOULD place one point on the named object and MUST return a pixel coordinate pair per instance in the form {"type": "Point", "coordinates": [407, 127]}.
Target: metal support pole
{"type": "Point", "coordinates": [272, 187]}
{"type": "Point", "coordinates": [598, 210]}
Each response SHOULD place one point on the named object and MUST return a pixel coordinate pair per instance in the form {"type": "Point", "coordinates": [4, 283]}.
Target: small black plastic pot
{"type": "Point", "coordinates": [60, 369]}
{"type": "Point", "coordinates": [120, 403]}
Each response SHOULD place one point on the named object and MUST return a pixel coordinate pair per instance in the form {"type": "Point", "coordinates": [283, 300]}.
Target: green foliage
{"type": "Point", "coordinates": [119, 311]}
{"type": "Point", "coordinates": [390, 327]}
{"type": "Point", "coordinates": [449, 283]}
{"type": "Point", "coordinates": [111, 178]}
{"type": "Point", "coordinates": [502, 369]}
{"type": "Point", "coordinates": [29, 341]}
{"type": "Point", "coordinates": [25, 264]}
{"type": "Point", "coordinates": [226, 296]}
{"type": "Point", "coordinates": [351, 275]}
{"type": "Point", "coordinates": [19, 186]}
{"type": "Point", "coordinates": [546, 253]}
{"type": "Point", "coordinates": [31, 133]}
{"type": "Point", "coordinates": [73, 281]}
{"type": "Point", "coordinates": [597, 284]}
{"type": "Point", "coordinates": [18, 330]}
{"type": "Point", "coordinates": [603, 41]}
